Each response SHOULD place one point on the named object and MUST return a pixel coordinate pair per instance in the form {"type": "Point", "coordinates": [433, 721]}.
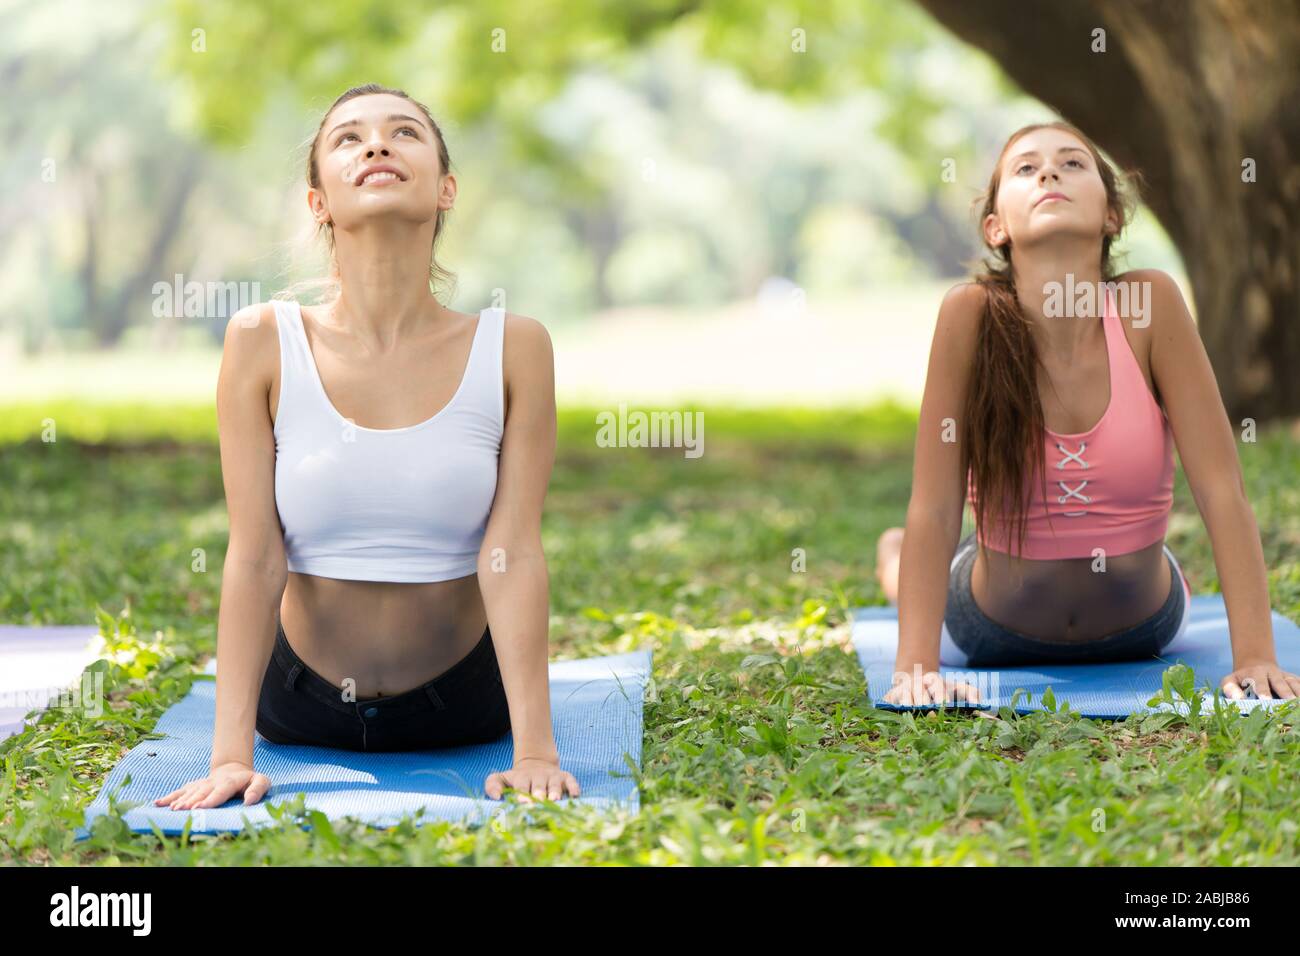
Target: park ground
{"type": "Point", "coordinates": [760, 744]}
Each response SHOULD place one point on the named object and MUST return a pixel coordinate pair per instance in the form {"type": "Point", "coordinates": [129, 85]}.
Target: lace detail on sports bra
{"type": "Point", "coordinates": [1070, 493]}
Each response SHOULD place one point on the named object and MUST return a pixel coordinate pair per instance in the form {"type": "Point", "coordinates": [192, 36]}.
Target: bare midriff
{"type": "Point", "coordinates": [1071, 599]}
{"type": "Point", "coordinates": [387, 637]}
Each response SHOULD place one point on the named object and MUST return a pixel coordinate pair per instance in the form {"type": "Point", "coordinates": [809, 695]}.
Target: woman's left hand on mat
{"type": "Point", "coordinates": [533, 779]}
{"type": "Point", "coordinates": [1264, 678]}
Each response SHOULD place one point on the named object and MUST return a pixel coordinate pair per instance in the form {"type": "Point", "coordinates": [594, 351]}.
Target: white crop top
{"type": "Point", "coordinates": [386, 504]}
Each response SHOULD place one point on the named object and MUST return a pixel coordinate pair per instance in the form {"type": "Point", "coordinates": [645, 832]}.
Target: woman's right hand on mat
{"type": "Point", "coordinates": [913, 688]}
{"type": "Point", "coordinates": [221, 783]}
{"type": "Point", "coordinates": [533, 778]}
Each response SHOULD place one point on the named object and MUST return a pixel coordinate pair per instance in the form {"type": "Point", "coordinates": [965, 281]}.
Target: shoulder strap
{"type": "Point", "coordinates": [485, 376]}
{"type": "Point", "coordinates": [293, 357]}
{"type": "Point", "coordinates": [1127, 383]}
{"type": "Point", "coordinates": [499, 362]}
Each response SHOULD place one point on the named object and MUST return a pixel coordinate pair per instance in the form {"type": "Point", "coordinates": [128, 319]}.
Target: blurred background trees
{"type": "Point", "coordinates": [636, 156]}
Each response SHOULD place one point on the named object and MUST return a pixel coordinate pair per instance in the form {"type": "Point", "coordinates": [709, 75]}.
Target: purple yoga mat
{"type": "Point", "coordinates": [37, 664]}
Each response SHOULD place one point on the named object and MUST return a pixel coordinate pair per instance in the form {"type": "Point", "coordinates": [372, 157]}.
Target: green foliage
{"type": "Point", "coordinates": [490, 56]}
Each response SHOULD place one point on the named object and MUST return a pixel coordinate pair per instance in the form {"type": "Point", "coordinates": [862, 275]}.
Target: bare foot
{"type": "Point", "coordinates": [888, 551]}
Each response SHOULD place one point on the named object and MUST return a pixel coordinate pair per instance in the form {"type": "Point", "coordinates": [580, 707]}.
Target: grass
{"type": "Point", "coordinates": [760, 744]}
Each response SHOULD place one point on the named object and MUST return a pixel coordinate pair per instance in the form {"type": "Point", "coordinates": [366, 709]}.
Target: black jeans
{"type": "Point", "coordinates": [465, 704]}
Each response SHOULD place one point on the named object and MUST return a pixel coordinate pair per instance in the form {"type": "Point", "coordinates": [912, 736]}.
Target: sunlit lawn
{"type": "Point", "coordinates": [760, 744]}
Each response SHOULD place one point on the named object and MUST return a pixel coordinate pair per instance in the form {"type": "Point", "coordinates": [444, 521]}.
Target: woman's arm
{"type": "Point", "coordinates": [1185, 381]}
{"type": "Point", "coordinates": [512, 567]}
{"type": "Point", "coordinates": [938, 499]}
{"type": "Point", "coordinates": [255, 573]}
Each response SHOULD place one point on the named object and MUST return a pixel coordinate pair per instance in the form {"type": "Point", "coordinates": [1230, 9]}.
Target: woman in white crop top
{"type": "Point", "coordinates": [385, 462]}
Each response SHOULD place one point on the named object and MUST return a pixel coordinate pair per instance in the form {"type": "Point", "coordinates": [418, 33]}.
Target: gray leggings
{"type": "Point", "coordinates": [969, 637]}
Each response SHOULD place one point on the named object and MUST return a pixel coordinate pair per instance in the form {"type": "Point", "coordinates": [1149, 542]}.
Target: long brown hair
{"type": "Point", "coordinates": [1002, 437]}
{"type": "Point", "coordinates": [438, 276]}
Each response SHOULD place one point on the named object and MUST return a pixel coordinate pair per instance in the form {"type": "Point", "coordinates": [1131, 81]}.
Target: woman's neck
{"type": "Point", "coordinates": [384, 293]}
{"type": "Point", "coordinates": [1052, 275]}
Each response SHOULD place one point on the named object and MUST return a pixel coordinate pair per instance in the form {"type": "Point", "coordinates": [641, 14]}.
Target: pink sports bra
{"type": "Point", "coordinates": [1110, 487]}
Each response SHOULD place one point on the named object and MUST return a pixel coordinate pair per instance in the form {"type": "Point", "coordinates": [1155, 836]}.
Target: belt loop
{"type": "Point", "coordinates": [434, 697]}
{"type": "Point", "coordinates": [292, 676]}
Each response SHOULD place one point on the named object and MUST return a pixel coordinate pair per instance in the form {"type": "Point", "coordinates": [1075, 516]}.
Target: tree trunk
{"type": "Point", "coordinates": [1186, 91]}
{"type": "Point", "coordinates": [116, 312]}
{"type": "Point", "coordinates": [88, 274]}
{"type": "Point", "coordinates": [599, 228]}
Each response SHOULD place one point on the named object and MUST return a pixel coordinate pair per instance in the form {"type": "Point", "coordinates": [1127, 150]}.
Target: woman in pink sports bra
{"type": "Point", "coordinates": [1059, 430]}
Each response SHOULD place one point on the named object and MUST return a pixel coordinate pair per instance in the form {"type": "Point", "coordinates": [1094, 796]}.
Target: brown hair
{"type": "Point", "coordinates": [438, 276]}
{"type": "Point", "coordinates": [1002, 439]}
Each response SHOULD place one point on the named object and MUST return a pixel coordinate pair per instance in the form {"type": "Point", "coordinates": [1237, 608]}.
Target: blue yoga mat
{"type": "Point", "coordinates": [1094, 690]}
{"type": "Point", "coordinates": [40, 664]}
{"type": "Point", "coordinates": [596, 706]}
